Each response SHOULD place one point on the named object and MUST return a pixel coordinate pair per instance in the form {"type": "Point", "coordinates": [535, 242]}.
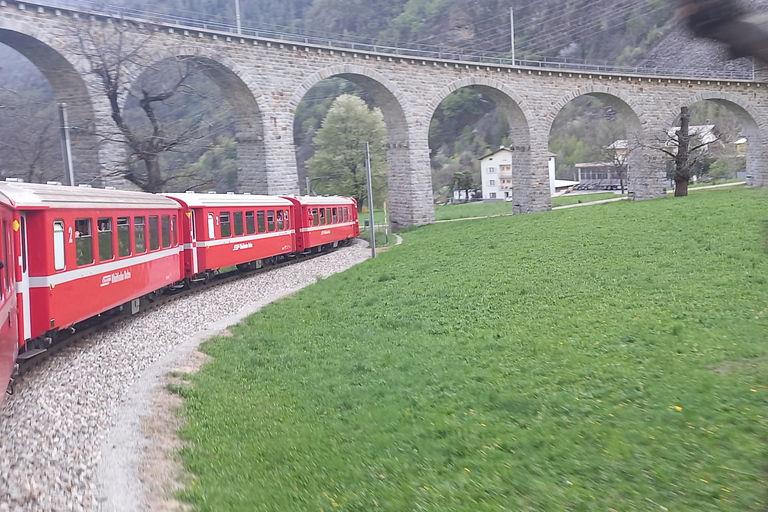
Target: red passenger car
{"type": "Point", "coordinates": [325, 220]}
{"type": "Point", "coordinates": [91, 250]}
{"type": "Point", "coordinates": [233, 229]}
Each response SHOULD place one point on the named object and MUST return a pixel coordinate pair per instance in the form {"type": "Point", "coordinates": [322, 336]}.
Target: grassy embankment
{"type": "Point", "coordinates": [603, 358]}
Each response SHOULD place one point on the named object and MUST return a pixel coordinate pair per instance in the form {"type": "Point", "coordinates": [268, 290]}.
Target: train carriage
{"type": "Point", "coordinates": [233, 229]}
{"type": "Point", "coordinates": [325, 220]}
{"type": "Point", "coordinates": [91, 250]}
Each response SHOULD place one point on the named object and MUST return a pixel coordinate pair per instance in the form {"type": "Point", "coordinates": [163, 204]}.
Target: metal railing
{"type": "Point", "coordinates": [225, 24]}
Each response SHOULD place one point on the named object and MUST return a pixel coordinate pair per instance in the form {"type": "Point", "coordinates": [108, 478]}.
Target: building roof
{"type": "Point", "coordinates": [706, 132]}
{"type": "Point", "coordinates": [38, 196]}
{"type": "Point", "coordinates": [595, 164]}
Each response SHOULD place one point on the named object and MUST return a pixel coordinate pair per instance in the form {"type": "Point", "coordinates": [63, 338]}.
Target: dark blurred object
{"type": "Point", "coordinates": [727, 21]}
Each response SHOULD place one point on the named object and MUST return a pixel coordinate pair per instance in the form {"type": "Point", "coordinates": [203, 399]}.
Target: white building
{"type": "Point", "coordinates": [496, 175]}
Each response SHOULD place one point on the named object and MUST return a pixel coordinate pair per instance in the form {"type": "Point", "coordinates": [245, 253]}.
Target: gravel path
{"type": "Point", "coordinates": [65, 412]}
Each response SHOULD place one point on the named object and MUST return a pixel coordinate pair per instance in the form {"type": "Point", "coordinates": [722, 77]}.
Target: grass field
{"type": "Point", "coordinates": [592, 359]}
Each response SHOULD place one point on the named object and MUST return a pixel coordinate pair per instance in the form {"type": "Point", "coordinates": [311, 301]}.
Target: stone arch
{"type": "Point", "coordinates": [644, 180]}
{"type": "Point", "coordinates": [409, 175]}
{"type": "Point", "coordinates": [65, 72]}
{"type": "Point", "coordinates": [754, 130]}
{"type": "Point", "coordinates": [527, 157]}
{"type": "Point", "coordinates": [244, 96]}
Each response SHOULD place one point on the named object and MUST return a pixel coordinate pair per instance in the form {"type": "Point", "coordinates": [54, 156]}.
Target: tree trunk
{"type": "Point", "coordinates": [682, 164]}
{"type": "Point", "coordinates": [154, 177]}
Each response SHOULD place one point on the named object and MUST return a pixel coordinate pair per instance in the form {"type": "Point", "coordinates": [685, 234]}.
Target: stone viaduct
{"type": "Point", "coordinates": [265, 79]}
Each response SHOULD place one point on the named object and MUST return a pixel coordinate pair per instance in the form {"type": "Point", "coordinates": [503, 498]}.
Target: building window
{"type": "Point", "coordinates": [491, 170]}
{"type": "Point", "coordinates": [492, 195]}
{"type": "Point", "coordinates": [492, 182]}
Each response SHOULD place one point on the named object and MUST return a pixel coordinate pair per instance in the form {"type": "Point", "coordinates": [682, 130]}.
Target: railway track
{"type": "Point", "coordinates": [32, 358]}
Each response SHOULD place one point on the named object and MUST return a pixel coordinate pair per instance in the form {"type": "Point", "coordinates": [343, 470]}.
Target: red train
{"type": "Point", "coordinates": [68, 254]}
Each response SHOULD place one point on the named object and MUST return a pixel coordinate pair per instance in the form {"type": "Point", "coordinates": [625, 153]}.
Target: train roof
{"type": "Point", "coordinates": [38, 196]}
{"type": "Point", "coordinates": [214, 200]}
{"type": "Point", "coordinates": [322, 200]}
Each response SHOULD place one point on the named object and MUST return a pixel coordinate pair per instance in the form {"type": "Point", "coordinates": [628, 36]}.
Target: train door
{"type": "Point", "coordinates": [193, 233]}
{"type": "Point", "coordinates": [8, 312]}
{"type": "Point", "coordinates": [23, 285]}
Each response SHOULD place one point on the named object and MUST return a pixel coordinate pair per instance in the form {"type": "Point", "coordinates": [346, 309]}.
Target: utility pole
{"type": "Point", "coordinates": [308, 184]}
{"type": "Point", "coordinates": [237, 16]}
{"type": "Point", "coordinates": [66, 146]}
{"type": "Point", "coordinates": [512, 31]}
{"type": "Point", "coordinates": [370, 198]}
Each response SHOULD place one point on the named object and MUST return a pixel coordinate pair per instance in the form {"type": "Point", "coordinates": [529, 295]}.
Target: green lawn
{"type": "Point", "coordinates": [590, 359]}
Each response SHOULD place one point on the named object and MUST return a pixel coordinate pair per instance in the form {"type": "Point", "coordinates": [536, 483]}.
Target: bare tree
{"type": "Point", "coordinates": [685, 151]}
{"type": "Point", "coordinates": [149, 129]}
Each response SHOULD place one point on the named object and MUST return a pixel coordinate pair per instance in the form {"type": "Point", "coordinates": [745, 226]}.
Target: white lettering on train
{"type": "Point", "coordinates": [326, 232]}
{"type": "Point", "coordinates": [115, 278]}
{"type": "Point", "coordinates": [242, 247]}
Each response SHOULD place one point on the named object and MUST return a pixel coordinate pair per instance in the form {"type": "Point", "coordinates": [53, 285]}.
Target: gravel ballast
{"type": "Point", "coordinates": [87, 398]}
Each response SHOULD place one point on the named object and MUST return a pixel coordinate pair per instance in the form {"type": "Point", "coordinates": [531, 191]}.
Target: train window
{"type": "Point", "coordinates": [154, 233]}
{"type": "Point", "coordinates": [58, 245]}
{"type": "Point", "coordinates": [335, 216]}
{"type": "Point", "coordinates": [123, 236]}
{"type": "Point", "coordinates": [270, 220]}
{"type": "Point", "coordinates": [322, 216]}
{"type": "Point", "coordinates": [211, 227]}
{"type": "Point", "coordinates": [280, 226]}
{"type": "Point", "coordinates": [173, 230]}
{"type": "Point", "coordinates": [106, 248]}
{"type": "Point", "coordinates": [315, 219]}
{"type": "Point", "coordinates": [23, 237]}
{"type": "Point", "coordinates": [346, 214]}
{"type": "Point", "coordinates": [250, 223]}
{"type": "Point", "coordinates": [261, 221]}
{"type": "Point", "coordinates": [238, 223]}
{"type": "Point", "coordinates": [327, 215]}
{"type": "Point", "coordinates": [83, 241]}
{"type": "Point", "coordinates": [287, 221]}
{"type": "Point", "coordinates": [165, 230]}
{"type": "Point", "coordinates": [140, 235]}
{"type": "Point", "coordinates": [226, 227]}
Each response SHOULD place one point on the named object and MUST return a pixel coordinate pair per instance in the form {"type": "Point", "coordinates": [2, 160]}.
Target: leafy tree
{"type": "Point", "coordinates": [338, 166]}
